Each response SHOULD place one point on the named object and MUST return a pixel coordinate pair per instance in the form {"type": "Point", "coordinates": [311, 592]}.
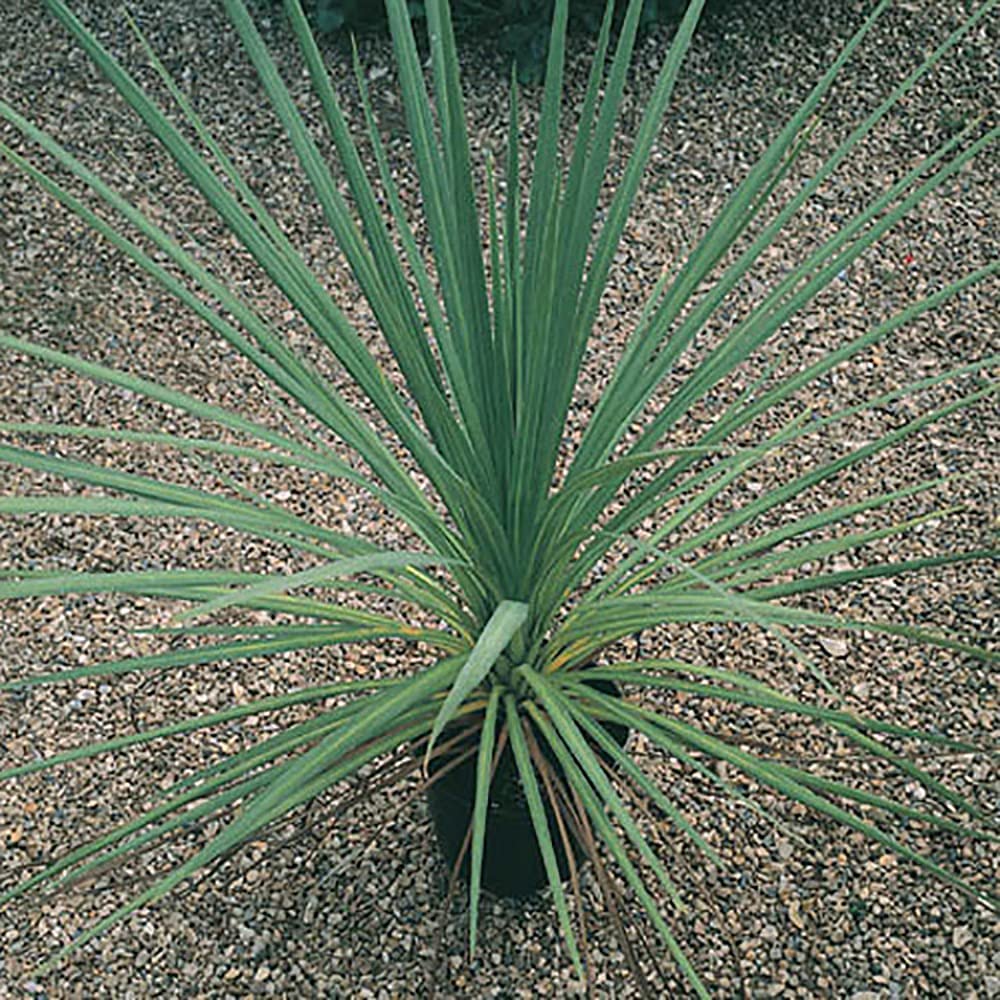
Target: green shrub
{"type": "Point", "coordinates": [505, 581]}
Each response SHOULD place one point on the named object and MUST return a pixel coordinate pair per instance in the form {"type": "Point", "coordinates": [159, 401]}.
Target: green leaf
{"type": "Point", "coordinates": [205, 654]}
{"type": "Point", "coordinates": [763, 697]}
{"type": "Point", "coordinates": [204, 783]}
{"type": "Point", "coordinates": [480, 809]}
{"type": "Point", "coordinates": [536, 809]}
{"type": "Point", "coordinates": [317, 575]}
{"type": "Point", "coordinates": [273, 704]}
{"type": "Point", "coordinates": [234, 834]}
{"type": "Point", "coordinates": [783, 780]}
{"type": "Point", "coordinates": [497, 633]}
{"type": "Point", "coordinates": [595, 806]}
{"type": "Point", "coordinates": [623, 762]}
{"type": "Point", "coordinates": [559, 710]}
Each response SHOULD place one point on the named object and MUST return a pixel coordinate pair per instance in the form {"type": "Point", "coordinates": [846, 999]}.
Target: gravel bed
{"type": "Point", "coordinates": [352, 905]}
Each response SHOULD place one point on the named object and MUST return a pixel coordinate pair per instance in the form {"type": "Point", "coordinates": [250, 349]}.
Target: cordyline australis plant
{"type": "Point", "coordinates": [530, 563]}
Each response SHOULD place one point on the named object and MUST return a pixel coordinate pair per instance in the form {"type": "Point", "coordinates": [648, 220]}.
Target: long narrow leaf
{"type": "Point", "coordinates": [532, 795]}
{"type": "Point", "coordinates": [504, 623]}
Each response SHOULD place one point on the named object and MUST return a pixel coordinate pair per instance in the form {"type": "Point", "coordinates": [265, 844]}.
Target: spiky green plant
{"type": "Point", "coordinates": [531, 562]}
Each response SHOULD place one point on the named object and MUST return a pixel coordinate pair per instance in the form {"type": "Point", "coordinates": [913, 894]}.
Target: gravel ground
{"type": "Point", "coordinates": [354, 908]}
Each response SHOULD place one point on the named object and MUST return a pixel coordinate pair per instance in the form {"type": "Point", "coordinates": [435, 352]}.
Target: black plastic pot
{"type": "Point", "coordinates": [512, 861]}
